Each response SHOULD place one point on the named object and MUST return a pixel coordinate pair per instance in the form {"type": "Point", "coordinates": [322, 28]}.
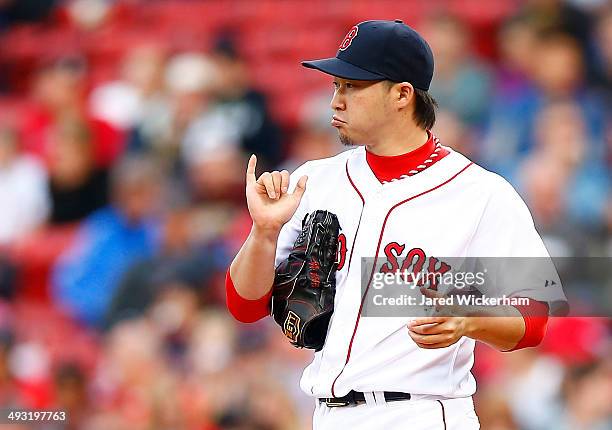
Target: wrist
{"type": "Point", "coordinates": [265, 234]}
{"type": "Point", "coordinates": [470, 326]}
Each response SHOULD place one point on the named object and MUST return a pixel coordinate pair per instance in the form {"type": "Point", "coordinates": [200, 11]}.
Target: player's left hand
{"type": "Point", "coordinates": [441, 330]}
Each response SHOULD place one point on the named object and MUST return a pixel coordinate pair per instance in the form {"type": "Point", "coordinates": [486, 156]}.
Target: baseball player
{"type": "Point", "coordinates": [399, 195]}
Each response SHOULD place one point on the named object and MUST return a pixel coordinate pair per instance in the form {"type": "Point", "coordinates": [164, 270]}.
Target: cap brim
{"type": "Point", "coordinates": [342, 69]}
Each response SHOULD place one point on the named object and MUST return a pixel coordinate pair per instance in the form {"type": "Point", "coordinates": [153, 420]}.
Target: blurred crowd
{"type": "Point", "coordinates": [122, 195]}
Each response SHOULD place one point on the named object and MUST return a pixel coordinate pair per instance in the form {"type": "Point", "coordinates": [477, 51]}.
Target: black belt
{"type": "Point", "coordinates": [357, 398]}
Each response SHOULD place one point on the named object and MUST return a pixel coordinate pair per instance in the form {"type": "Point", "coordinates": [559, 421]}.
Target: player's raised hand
{"type": "Point", "coordinates": [269, 203]}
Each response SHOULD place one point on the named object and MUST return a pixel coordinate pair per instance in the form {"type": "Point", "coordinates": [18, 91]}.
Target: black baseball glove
{"type": "Point", "coordinates": [305, 283]}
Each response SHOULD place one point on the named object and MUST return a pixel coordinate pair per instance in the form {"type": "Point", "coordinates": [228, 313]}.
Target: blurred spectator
{"type": "Point", "coordinates": [182, 261]}
{"type": "Point", "coordinates": [23, 196]}
{"type": "Point", "coordinates": [242, 108]}
{"type": "Point", "coordinates": [559, 16]}
{"type": "Point", "coordinates": [314, 139]}
{"type": "Point", "coordinates": [454, 133]}
{"type": "Point", "coordinates": [71, 394]}
{"type": "Point", "coordinates": [109, 242]}
{"type": "Point", "coordinates": [88, 14]}
{"type": "Point", "coordinates": [588, 398]}
{"type": "Point", "coordinates": [132, 379]}
{"type": "Point", "coordinates": [557, 76]}
{"type": "Point", "coordinates": [311, 143]}
{"type": "Point", "coordinates": [603, 57]}
{"type": "Point", "coordinates": [559, 71]}
{"type": "Point", "coordinates": [461, 82]}
{"type": "Point", "coordinates": [189, 78]}
{"type": "Point", "coordinates": [217, 176]}
{"type": "Point", "coordinates": [122, 102]}
{"type": "Point", "coordinates": [58, 93]}
{"type": "Point", "coordinates": [493, 410]}
{"type": "Point", "coordinates": [517, 41]}
{"type": "Point", "coordinates": [136, 103]}
{"type": "Point", "coordinates": [76, 185]}
{"type": "Point", "coordinates": [234, 123]}
{"type": "Point", "coordinates": [212, 343]}
{"type": "Point", "coordinates": [532, 383]}
{"type": "Point", "coordinates": [174, 315]}
{"type": "Point", "coordinates": [565, 185]}
{"type": "Point", "coordinates": [270, 408]}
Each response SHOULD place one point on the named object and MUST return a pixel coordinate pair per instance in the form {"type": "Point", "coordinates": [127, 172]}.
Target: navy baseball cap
{"type": "Point", "coordinates": [380, 50]}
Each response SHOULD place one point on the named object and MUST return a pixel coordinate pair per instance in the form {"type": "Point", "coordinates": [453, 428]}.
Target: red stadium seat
{"type": "Point", "coordinates": [35, 256]}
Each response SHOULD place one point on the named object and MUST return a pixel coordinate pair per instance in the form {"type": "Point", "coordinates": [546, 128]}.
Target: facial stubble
{"type": "Point", "coordinates": [345, 140]}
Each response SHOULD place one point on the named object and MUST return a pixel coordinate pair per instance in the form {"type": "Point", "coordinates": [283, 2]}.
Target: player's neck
{"type": "Point", "coordinates": [403, 142]}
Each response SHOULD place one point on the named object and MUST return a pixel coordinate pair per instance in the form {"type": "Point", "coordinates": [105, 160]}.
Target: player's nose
{"type": "Point", "coordinates": [337, 101]}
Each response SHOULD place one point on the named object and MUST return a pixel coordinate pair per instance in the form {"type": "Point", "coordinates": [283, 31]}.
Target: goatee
{"type": "Point", "coordinates": [346, 141]}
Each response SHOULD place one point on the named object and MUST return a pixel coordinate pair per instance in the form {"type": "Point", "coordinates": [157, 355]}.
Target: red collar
{"type": "Point", "coordinates": [388, 168]}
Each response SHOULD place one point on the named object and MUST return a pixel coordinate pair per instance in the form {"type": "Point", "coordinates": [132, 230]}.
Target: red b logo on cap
{"type": "Point", "coordinates": [348, 39]}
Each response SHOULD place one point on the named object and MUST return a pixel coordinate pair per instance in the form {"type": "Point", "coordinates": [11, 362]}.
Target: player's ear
{"type": "Point", "coordinates": [404, 94]}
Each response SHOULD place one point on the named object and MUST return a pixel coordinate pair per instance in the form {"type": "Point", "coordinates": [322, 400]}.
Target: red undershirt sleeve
{"type": "Point", "coordinates": [535, 315]}
{"type": "Point", "coordinates": [245, 310]}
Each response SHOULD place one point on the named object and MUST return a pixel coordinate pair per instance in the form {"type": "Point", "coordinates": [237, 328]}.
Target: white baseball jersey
{"type": "Point", "coordinates": [453, 208]}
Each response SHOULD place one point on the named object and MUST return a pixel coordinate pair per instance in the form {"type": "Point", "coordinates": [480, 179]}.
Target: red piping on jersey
{"type": "Point", "coordinates": [358, 223]}
{"type": "Point", "coordinates": [443, 414]}
{"type": "Point", "coordinates": [356, 231]}
{"type": "Point", "coordinates": [382, 230]}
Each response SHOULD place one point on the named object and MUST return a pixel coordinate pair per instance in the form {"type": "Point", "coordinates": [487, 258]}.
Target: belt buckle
{"type": "Point", "coordinates": [335, 403]}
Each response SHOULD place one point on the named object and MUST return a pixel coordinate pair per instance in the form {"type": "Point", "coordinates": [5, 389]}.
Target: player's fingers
{"type": "Point", "coordinates": [442, 344]}
{"type": "Point", "coordinates": [434, 345]}
{"type": "Point", "coordinates": [250, 172]}
{"type": "Point", "coordinates": [422, 339]}
{"type": "Point", "coordinates": [432, 339]}
{"type": "Point", "coordinates": [284, 181]}
{"type": "Point", "coordinates": [427, 329]}
{"type": "Point", "coordinates": [276, 180]}
{"type": "Point", "coordinates": [426, 320]}
{"type": "Point", "coordinates": [300, 187]}
{"type": "Point", "coordinates": [266, 180]}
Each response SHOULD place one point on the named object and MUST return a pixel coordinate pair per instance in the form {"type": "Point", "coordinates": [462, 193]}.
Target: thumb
{"type": "Point", "coordinates": [432, 294]}
{"type": "Point", "coordinates": [300, 187]}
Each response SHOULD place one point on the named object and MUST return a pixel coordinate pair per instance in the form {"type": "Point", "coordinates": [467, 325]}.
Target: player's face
{"type": "Point", "coordinates": [360, 109]}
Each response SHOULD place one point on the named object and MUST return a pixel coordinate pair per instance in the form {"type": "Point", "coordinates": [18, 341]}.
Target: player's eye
{"type": "Point", "coordinates": [348, 85]}
{"type": "Point", "coordinates": [336, 85]}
